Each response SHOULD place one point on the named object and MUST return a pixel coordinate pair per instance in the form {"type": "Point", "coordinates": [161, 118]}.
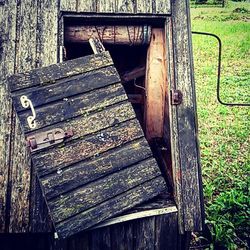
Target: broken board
{"type": "Point", "coordinates": [86, 145]}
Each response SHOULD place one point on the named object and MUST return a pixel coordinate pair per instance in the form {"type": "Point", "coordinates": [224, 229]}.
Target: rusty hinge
{"type": "Point", "coordinates": [176, 97]}
{"type": "Point", "coordinates": [45, 139]}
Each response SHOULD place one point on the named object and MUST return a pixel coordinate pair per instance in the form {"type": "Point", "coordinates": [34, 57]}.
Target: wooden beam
{"type": "Point", "coordinates": [129, 35]}
{"type": "Point", "coordinates": [155, 84]}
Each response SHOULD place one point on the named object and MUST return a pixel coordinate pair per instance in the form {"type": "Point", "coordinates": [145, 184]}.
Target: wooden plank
{"type": "Point", "coordinates": [58, 71]}
{"type": "Point", "coordinates": [86, 6]}
{"type": "Point", "coordinates": [189, 172]}
{"type": "Point", "coordinates": [105, 6]}
{"type": "Point", "coordinates": [155, 84]}
{"type": "Point", "coordinates": [109, 34]}
{"type": "Point", "coordinates": [66, 5]}
{"type": "Point", "coordinates": [111, 207]}
{"type": "Point", "coordinates": [126, 6]}
{"type": "Point", "coordinates": [74, 85]}
{"type": "Point", "coordinates": [163, 7]}
{"type": "Point", "coordinates": [137, 215]}
{"type": "Point", "coordinates": [81, 173]}
{"type": "Point", "coordinates": [122, 236]}
{"type": "Point", "coordinates": [144, 6]}
{"type": "Point", "coordinates": [166, 232]}
{"type": "Point", "coordinates": [80, 241]}
{"type": "Point", "coordinates": [101, 239]}
{"type": "Point", "coordinates": [94, 193]}
{"type": "Point", "coordinates": [7, 62]}
{"type": "Point", "coordinates": [144, 231]}
{"type": "Point", "coordinates": [47, 37]}
{"type": "Point", "coordinates": [75, 106]}
{"type": "Point", "coordinates": [20, 176]}
{"type": "Point", "coordinates": [89, 146]}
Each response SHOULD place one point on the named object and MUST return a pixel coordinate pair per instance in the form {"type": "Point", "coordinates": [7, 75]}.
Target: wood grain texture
{"type": "Point", "coordinates": [166, 232]}
{"type": "Point", "coordinates": [109, 34]}
{"type": "Point", "coordinates": [81, 173]}
{"type": "Point", "coordinates": [187, 119]}
{"type": "Point", "coordinates": [122, 236]}
{"type": "Point", "coordinates": [155, 84]}
{"type": "Point", "coordinates": [94, 193]}
{"type": "Point", "coordinates": [75, 106]}
{"type": "Point", "coordinates": [144, 6]}
{"type": "Point", "coordinates": [7, 63]}
{"type": "Point", "coordinates": [20, 175]}
{"type": "Point", "coordinates": [106, 6]}
{"type": "Point", "coordinates": [117, 205]}
{"type": "Point", "coordinates": [126, 6]}
{"type": "Point", "coordinates": [86, 6]}
{"type": "Point", "coordinates": [47, 35]}
{"type": "Point", "coordinates": [68, 87]}
{"type": "Point", "coordinates": [145, 234]}
{"type": "Point", "coordinates": [54, 72]}
{"type": "Point", "coordinates": [66, 5]}
{"type": "Point", "coordinates": [162, 6]}
{"type": "Point", "coordinates": [89, 146]}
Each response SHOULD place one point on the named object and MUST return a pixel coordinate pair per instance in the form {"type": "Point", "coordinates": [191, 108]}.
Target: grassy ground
{"type": "Point", "coordinates": [224, 131]}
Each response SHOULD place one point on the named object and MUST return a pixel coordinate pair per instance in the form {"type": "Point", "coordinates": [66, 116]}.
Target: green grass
{"type": "Point", "coordinates": [224, 131]}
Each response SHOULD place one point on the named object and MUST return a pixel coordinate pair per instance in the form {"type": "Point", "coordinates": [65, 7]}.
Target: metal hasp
{"type": "Point", "coordinates": [47, 138]}
{"type": "Point", "coordinates": [176, 97]}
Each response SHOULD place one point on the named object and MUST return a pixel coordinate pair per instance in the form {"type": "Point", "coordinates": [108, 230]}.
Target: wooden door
{"type": "Point", "coordinates": [87, 147]}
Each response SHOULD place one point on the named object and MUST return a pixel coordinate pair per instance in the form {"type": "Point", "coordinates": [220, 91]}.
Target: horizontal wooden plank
{"type": "Point", "coordinates": [94, 193]}
{"type": "Point", "coordinates": [85, 125]}
{"type": "Point", "coordinates": [88, 146]}
{"type": "Point", "coordinates": [111, 207]}
{"type": "Point", "coordinates": [64, 180]}
{"type": "Point", "coordinates": [68, 87]}
{"type": "Point", "coordinates": [69, 108]}
{"type": "Point", "coordinates": [49, 74]}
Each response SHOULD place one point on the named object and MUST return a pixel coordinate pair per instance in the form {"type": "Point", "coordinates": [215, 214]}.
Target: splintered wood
{"type": "Point", "coordinates": [105, 166]}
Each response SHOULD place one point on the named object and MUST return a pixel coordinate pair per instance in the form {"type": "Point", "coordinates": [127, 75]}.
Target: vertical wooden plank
{"type": "Point", "coordinates": [155, 84]}
{"type": "Point", "coordinates": [68, 5]}
{"type": "Point", "coordinates": [47, 38]}
{"type": "Point", "coordinates": [162, 7]}
{"type": "Point", "coordinates": [105, 6]}
{"type": "Point", "coordinates": [126, 6]}
{"type": "Point", "coordinates": [7, 62]}
{"type": "Point", "coordinates": [122, 236]}
{"type": "Point", "coordinates": [79, 241]}
{"type": "Point", "coordinates": [189, 173]}
{"type": "Point", "coordinates": [47, 49]}
{"type": "Point", "coordinates": [100, 239]}
{"type": "Point", "coordinates": [144, 6]}
{"type": "Point", "coordinates": [20, 164]}
{"type": "Point", "coordinates": [166, 232]}
{"type": "Point", "coordinates": [144, 233]}
{"type": "Point", "coordinates": [86, 6]}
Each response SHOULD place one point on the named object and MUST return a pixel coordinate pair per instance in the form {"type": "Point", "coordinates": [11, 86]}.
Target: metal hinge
{"type": "Point", "coordinates": [47, 138]}
{"type": "Point", "coordinates": [176, 97]}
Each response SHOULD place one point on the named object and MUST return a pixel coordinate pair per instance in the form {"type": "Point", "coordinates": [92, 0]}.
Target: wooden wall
{"type": "Point", "coordinates": [29, 39]}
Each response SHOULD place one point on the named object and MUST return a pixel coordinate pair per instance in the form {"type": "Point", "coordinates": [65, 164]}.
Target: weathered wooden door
{"type": "Point", "coordinates": [87, 147]}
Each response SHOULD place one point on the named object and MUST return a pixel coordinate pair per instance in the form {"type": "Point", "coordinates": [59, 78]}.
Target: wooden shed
{"type": "Point", "coordinates": [149, 41]}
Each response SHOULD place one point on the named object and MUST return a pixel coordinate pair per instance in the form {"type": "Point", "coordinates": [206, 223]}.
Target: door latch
{"type": "Point", "coordinates": [45, 139]}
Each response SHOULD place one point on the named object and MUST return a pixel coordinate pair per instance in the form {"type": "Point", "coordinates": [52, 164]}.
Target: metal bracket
{"type": "Point", "coordinates": [45, 139]}
{"type": "Point", "coordinates": [176, 97]}
{"type": "Point", "coordinates": [26, 102]}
